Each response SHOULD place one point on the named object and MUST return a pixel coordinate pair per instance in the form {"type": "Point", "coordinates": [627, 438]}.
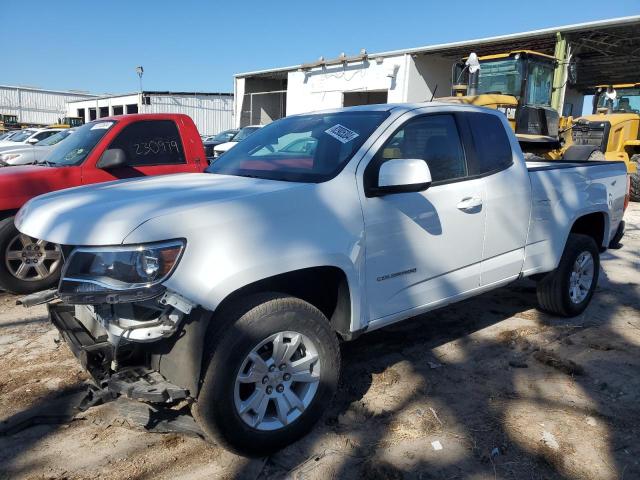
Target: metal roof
{"type": "Point", "coordinates": [608, 51]}
{"type": "Point", "coordinates": [48, 90]}
{"type": "Point", "coordinates": [157, 92]}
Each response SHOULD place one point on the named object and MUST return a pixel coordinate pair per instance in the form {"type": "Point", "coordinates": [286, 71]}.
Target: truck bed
{"type": "Point", "coordinates": [538, 165]}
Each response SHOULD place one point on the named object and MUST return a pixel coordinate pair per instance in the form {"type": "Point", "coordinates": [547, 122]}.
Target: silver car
{"type": "Point", "coordinates": [26, 154]}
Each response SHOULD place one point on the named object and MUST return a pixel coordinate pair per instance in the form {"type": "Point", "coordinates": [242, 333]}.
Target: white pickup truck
{"type": "Point", "coordinates": [232, 288]}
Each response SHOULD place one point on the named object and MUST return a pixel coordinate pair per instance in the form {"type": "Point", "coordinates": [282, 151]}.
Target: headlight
{"type": "Point", "coordinates": [122, 273]}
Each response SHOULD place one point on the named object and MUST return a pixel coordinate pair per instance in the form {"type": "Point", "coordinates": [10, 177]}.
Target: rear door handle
{"type": "Point", "coordinates": [469, 203]}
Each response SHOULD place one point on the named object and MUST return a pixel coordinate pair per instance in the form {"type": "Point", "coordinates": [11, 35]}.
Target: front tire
{"type": "Point", "coordinates": [567, 290]}
{"type": "Point", "coordinates": [273, 370]}
{"type": "Point", "coordinates": [27, 265]}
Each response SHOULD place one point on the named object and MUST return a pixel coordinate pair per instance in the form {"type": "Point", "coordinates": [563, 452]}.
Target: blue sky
{"type": "Point", "coordinates": [188, 45]}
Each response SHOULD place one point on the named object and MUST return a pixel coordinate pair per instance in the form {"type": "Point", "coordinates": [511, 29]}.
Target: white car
{"type": "Point", "coordinates": [232, 288]}
{"type": "Point", "coordinates": [29, 154]}
{"type": "Point", "coordinates": [29, 136]}
{"type": "Point", "coordinates": [241, 135]}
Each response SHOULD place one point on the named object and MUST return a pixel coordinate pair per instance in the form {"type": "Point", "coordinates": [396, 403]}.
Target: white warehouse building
{"type": "Point", "coordinates": [211, 112]}
{"type": "Point", "coordinates": [37, 106]}
{"type": "Point", "coordinates": [604, 52]}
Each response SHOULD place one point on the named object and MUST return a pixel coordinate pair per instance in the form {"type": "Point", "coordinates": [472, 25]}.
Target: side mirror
{"type": "Point", "coordinates": [402, 176]}
{"type": "Point", "coordinates": [112, 158]}
{"type": "Point", "coordinates": [33, 141]}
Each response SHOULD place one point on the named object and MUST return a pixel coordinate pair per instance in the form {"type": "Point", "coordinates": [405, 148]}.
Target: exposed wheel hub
{"type": "Point", "coordinates": [277, 381]}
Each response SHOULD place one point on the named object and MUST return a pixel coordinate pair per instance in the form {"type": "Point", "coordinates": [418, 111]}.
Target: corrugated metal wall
{"type": "Point", "coordinates": [211, 114]}
{"type": "Point", "coordinates": [36, 106]}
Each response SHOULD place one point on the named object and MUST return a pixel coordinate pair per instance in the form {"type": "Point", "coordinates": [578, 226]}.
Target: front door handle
{"type": "Point", "coordinates": [469, 203]}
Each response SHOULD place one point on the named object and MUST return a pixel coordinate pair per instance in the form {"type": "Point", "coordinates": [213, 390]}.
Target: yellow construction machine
{"type": "Point", "coordinates": [520, 84]}
{"type": "Point", "coordinates": [613, 128]}
{"type": "Point", "coordinates": [68, 122]}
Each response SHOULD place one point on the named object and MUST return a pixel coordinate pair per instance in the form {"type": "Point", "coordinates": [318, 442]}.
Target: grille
{"type": "Point", "coordinates": [590, 133]}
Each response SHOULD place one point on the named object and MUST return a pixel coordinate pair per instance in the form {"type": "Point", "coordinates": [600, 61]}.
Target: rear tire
{"type": "Point", "coordinates": [239, 372]}
{"type": "Point", "coordinates": [634, 180]}
{"type": "Point", "coordinates": [567, 290]}
{"type": "Point", "coordinates": [43, 269]}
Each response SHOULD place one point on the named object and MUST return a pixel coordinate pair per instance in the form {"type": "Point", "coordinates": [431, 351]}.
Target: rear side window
{"type": "Point", "coordinates": [492, 147]}
{"type": "Point", "coordinates": [151, 142]}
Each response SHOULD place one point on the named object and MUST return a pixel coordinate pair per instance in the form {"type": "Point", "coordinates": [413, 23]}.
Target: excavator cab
{"type": "Point", "coordinates": [520, 84]}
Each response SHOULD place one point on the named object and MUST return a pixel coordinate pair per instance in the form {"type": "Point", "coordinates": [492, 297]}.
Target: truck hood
{"type": "Point", "coordinates": [104, 214]}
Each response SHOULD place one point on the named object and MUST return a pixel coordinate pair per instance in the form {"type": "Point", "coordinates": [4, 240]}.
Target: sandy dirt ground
{"type": "Point", "coordinates": [487, 388]}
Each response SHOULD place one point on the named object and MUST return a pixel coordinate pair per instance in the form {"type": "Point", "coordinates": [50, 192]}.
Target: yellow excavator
{"type": "Point", "coordinates": [520, 84]}
{"type": "Point", "coordinates": [68, 122]}
{"type": "Point", "coordinates": [613, 128]}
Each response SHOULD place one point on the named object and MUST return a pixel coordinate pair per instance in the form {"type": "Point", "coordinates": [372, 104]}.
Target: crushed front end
{"type": "Point", "coordinates": [132, 335]}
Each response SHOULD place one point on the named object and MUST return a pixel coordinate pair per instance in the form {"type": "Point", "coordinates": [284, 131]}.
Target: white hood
{"type": "Point", "coordinates": [106, 213]}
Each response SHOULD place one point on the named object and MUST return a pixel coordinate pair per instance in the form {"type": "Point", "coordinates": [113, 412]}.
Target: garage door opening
{"type": "Point", "coordinates": [350, 99]}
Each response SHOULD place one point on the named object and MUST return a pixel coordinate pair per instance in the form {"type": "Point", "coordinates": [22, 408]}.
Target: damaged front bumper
{"type": "Point", "coordinates": [118, 366]}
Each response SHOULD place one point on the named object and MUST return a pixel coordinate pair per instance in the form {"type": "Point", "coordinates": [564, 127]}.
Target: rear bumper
{"type": "Point", "coordinates": [97, 354]}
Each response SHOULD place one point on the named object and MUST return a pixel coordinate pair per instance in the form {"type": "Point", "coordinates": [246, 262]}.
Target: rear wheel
{"type": "Point", "coordinates": [596, 155]}
{"type": "Point", "coordinates": [568, 289]}
{"type": "Point", "coordinates": [634, 180]}
{"type": "Point", "coordinates": [27, 265]}
{"type": "Point", "coordinates": [272, 372]}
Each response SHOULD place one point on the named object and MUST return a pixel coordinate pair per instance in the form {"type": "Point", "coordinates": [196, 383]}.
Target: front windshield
{"type": "Point", "coordinates": [627, 100]}
{"type": "Point", "coordinates": [304, 148]}
{"type": "Point", "coordinates": [225, 136]}
{"type": "Point", "coordinates": [244, 133]}
{"type": "Point", "coordinates": [22, 136]}
{"type": "Point", "coordinates": [75, 148]}
{"type": "Point", "coordinates": [500, 76]}
{"type": "Point", "coordinates": [53, 139]}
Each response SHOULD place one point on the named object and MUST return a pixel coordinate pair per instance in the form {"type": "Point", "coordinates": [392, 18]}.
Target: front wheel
{"type": "Point", "coordinates": [273, 370]}
{"type": "Point", "coordinates": [27, 265]}
{"type": "Point", "coordinates": [567, 290]}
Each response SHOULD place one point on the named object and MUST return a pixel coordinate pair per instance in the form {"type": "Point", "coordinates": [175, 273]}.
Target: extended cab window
{"type": "Point", "coordinates": [432, 138]}
{"type": "Point", "coordinates": [150, 142]}
{"type": "Point", "coordinates": [492, 147]}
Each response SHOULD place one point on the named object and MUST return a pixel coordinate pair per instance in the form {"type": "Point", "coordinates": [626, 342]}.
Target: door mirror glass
{"type": "Point", "coordinates": [112, 158]}
{"type": "Point", "coordinates": [403, 175]}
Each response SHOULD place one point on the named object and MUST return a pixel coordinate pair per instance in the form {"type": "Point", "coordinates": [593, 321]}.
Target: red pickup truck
{"type": "Point", "coordinates": [101, 151]}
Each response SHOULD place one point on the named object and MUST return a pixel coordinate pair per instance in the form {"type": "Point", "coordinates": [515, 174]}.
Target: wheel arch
{"type": "Point", "coordinates": [594, 225]}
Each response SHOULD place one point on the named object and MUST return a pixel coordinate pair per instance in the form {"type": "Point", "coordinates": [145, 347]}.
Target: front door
{"type": "Point", "coordinates": [422, 248]}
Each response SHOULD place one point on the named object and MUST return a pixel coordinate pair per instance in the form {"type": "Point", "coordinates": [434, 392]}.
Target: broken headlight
{"type": "Point", "coordinates": [122, 273]}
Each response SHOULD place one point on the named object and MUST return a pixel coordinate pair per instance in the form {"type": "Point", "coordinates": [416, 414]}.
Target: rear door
{"type": "Point", "coordinates": [494, 156]}
{"type": "Point", "coordinates": [152, 147]}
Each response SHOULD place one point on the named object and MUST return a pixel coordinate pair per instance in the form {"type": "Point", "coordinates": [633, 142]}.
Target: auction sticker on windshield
{"type": "Point", "coordinates": [102, 126]}
{"type": "Point", "coordinates": [341, 133]}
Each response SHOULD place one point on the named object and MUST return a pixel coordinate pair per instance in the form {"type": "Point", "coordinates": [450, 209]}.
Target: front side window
{"type": "Point", "coordinates": [244, 133]}
{"type": "Point", "coordinates": [151, 142]}
{"type": "Point", "coordinates": [539, 82]}
{"type": "Point", "coordinates": [75, 148]}
{"type": "Point", "coordinates": [491, 144]}
{"type": "Point", "coordinates": [432, 138]}
{"type": "Point", "coordinates": [304, 148]}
